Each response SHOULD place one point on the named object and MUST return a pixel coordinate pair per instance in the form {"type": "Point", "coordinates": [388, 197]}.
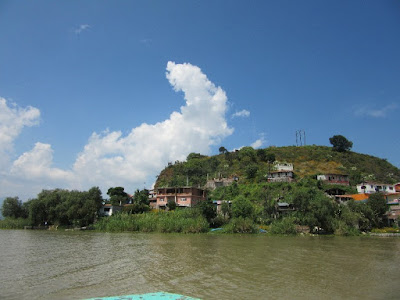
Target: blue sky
{"type": "Point", "coordinates": [105, 93]}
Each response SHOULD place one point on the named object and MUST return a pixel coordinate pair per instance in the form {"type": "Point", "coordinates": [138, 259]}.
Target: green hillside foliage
{"type": "Point", "coordinates": [251, 166]}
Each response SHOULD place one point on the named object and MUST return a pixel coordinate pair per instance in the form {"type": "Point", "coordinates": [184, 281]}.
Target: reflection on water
{"type": "Point", "coordinates": [76, 265]}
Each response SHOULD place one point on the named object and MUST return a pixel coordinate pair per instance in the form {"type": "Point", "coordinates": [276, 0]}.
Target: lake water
{"type": "Point", "coordinates": [76, 265]}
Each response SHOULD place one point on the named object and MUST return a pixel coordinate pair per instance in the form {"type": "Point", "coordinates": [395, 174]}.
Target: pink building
{"type": "Point", "coordinates": [182, 196]}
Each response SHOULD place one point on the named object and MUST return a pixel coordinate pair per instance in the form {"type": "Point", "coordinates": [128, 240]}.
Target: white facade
{"type": "Point", "coordinates": [282, 166]}
{"type": "Point", "coordinates": [334, 178]}
{"type": "Point", "coordinates": [109, 210]}
{"type": "Point", "coordinates": [280, 176]}
{"type": "Point", "coordinates": [371, 187]}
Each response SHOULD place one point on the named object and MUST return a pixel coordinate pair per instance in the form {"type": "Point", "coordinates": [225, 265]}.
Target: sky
{"type": "Point", "coordinates": [106, 93]}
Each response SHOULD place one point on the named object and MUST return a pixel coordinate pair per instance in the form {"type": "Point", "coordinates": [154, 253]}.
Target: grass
{"type": "Point", "coordinates": [10, 223]}
{"type": "Point", "coordinates": [181, 221]}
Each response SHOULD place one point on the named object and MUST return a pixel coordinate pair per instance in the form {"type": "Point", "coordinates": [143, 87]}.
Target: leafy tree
{"type": "Point", "coordinates": [171, 204]}
{"type": "Point", "coordinates": [194, 156]}
{"type": "Point", "coordinates": [207, 209]}
{"type": "Point", "coordinates": [377, 203]}
{"type": "Point", "coordinates": [251, 171]}
{"type": "Point", "coordinates": [242, 207]}
{"type": "Point", "coordinates": [362, 214]}
{"type": "Point", "coordinates": [37, 212]}
{"type": "Point", "coordinates": [63, 207]}
{"type": "Point", "coordinates": [117, 195]}
{"type": "Point", "coordinates": [226, 210]}
{"type": "Point", "coordinates": [247, 152]}
{"type": "Point", "coordinates": [340, 143]}
{"type": "Point", "coordinates": [141, 202]}
{"type": "Point", "coordinates": [13, 208]}
{"type": "Point", "coordinates": [222, 150]}
{"type": "Point", "coordinates": [262, 154]}
{"type": "Point", "coordinates": [270, 158]}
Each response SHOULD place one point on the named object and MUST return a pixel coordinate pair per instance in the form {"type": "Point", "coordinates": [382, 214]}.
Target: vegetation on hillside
{"type": "Point", "coordinates": [254, 201]}
{"type": "Point", "coordinates": [252, 165]}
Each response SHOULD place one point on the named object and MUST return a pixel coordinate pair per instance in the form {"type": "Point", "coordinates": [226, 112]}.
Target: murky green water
{"type": "Point", "coordinates": [76, 265]}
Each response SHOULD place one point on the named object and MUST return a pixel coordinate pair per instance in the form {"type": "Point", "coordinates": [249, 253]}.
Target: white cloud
{"type": "Point", "coordinates": [370, 111]}
{"type": "Point", "coordinates": [260, 142]}
{"type": "Point", "coordinates": [243, 113]}
{"type": "Point", "coordinates": [112, 159]}
{"type": "Point", "coordinates": [81, 28]}
{"type": "Point", "coordinates": [37, 165]}
{"type": "Point", "coordinates": [12, 120]}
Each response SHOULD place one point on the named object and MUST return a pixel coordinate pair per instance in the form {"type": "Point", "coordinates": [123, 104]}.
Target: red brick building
{"type": "Point", "coordinates": [182, 196]}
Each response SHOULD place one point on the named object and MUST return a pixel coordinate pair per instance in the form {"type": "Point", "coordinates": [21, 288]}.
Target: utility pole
{"type": "Point", "coordinates": [300, 137]}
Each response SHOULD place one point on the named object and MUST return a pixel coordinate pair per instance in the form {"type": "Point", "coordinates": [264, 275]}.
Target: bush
{"type": "Point", "coordinates": [240, 225]}
{"type": "Point", "coordinates": [385, 230]}
{"type": "Point", "coordinates": [12, 223]}
{"type": "Point", "coordinates": [242, 208]}
{"type": "Point", "coordinates": [185, 221]}
{"type": "Point", "coordinates": [346, 230]}
{"type": "Point", "coordinates": [283, 226]}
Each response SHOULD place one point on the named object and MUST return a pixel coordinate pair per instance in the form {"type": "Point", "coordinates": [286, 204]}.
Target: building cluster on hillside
{"type": "Point", "coordinates": [391, 193]}
{"type": "Point", "coordinates": [189, 196]}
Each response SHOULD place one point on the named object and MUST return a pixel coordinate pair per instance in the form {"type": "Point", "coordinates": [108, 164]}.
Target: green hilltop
{"type": "Point", "coordinates": [251, 166]}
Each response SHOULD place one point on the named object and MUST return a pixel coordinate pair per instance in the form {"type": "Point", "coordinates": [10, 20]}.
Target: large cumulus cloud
{"type": "Point", "coordinates": [111, 159]}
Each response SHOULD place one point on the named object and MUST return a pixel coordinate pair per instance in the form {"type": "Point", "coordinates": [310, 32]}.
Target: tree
{"type": "Point", "coordinates": [226, 209]}
{"type": "Point", "coordinates": [247, 152]}
{"type": "Point", "coordinates": [242, 207]}
{"type": "Point", "coordinates": [340, 143]}
{"type": "Point", "coordinates": [171, 204]}
{"type": "Point", "coordinates": [117, 195]}
{"type": "Point", "coordinates": [251, 171]}
{"type": "Point", "coordinates": [377, 203]}
{"type": "Point", "coordinates": [141, 202]}
{"type": "Point", "coordinates": [194, 156]}
{"type": "Point", "coordinates": [207, 209]}
{"type": "Point", "coordinates": [13, 208]}
{"type": "Point", "coordinates": [222, 150]}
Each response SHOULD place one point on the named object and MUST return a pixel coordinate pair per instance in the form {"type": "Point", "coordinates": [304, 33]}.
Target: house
{"type": "Point", "coordinates": [212, 184]}
{"type": "Point", "coordinates": [342, 179]}
{"type": "Point", "coordinates": [283, 172]}
{"type": "Point", "coordinates": [283, 166]}
{"type": "Point", "coordinates": [393, 214]}
{"type": "Point", "coordinates": [109, 209]}
{"type": "Point", "coordinates": [372, 187]}
{"type": "Point", "coordinates": [280, 176]}
{"type": "Point", "coordinates": [218, 205]}
{"type": "Point", "coordinates": [284, 207]}
{"type": "Point", "coordinates": [182, 196]}
{"type": "Point", "coordinates": [341, 199]}
{"type": "Point", "coordinates": [153, 199]}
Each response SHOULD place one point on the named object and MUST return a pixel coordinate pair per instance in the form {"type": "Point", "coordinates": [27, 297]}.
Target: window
{"type": "Point", "coordinates": [183, 199]}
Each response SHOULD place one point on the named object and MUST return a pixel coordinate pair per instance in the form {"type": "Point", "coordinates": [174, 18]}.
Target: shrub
{"type": "Point", "coordinates": [283, 226]}
{"type": "Point", "coordinates": [12, 223]}
{"type": "Point", "coordinates": [240, 225]}
{"type": "Point", "coordinates": [346, 230]}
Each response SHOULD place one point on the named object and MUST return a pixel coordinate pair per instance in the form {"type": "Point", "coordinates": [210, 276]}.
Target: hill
{"type": "Point", "coordinates": [252, 165]}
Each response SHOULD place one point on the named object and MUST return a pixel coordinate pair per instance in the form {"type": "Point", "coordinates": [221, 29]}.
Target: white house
{"type": "Point", "coordinates": [334, 178]}
{"type": "Point", "coordinates": [283, 166]}
{"type": "Point", "coordinates": [372, 187]}
{"type": "Point", "coordinates": [108, 210]}
{"type": "Point", "coordinates": [283, 172]}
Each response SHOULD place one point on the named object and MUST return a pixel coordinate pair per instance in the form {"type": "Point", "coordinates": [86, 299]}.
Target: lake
{"type": "Point", "coordinates": [77, 265]}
